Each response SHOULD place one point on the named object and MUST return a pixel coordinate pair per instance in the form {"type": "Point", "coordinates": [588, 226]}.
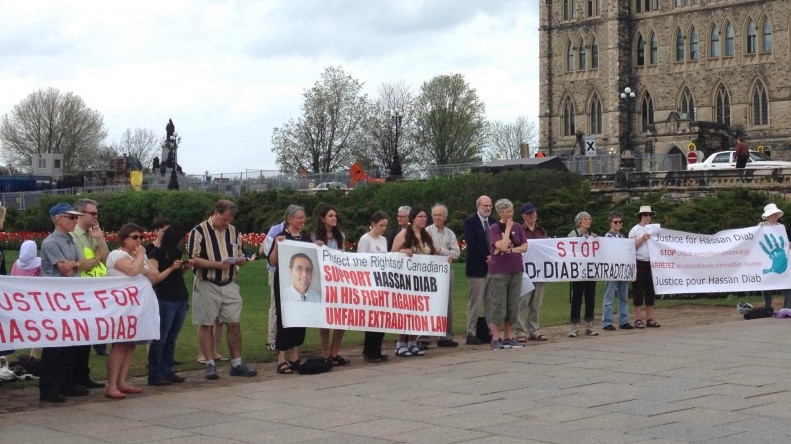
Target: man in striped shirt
{"type": "Point", "coordinates": [215, 247]}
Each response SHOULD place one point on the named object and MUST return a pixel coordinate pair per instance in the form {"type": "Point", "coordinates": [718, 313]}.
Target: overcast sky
{"type": "Point", "coordinates": [227, 72]}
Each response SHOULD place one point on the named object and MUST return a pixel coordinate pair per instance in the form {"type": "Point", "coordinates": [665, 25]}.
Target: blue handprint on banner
{"type": "Point", "coordinates": [776, 252]}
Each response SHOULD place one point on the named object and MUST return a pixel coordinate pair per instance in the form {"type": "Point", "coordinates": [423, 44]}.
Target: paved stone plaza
{"type": "Point", "coordinates": [727, 382]}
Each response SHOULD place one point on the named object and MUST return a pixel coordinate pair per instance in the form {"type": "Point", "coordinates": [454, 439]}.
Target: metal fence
{"type": "Point", "coordinates": [593, 165]}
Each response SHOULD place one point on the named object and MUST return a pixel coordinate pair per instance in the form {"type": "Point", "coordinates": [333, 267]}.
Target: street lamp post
{"type": "Point", "coordinates": [627, 98]}
{"type": "Point", "coordinates": [395, 166]}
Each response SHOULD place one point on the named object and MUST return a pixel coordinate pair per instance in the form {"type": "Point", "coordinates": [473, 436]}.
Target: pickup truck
{"type": "Point", "coordinates": [724, 160]}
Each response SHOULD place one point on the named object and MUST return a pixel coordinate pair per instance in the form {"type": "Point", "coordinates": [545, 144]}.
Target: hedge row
{"type": "Point", "coordinates": [558, 196]}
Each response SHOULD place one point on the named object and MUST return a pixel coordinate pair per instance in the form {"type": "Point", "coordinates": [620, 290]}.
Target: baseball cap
{"type": "Point", "coordinates": [61, 208]}
{"type": "Point", "coordinates": [528, 208]}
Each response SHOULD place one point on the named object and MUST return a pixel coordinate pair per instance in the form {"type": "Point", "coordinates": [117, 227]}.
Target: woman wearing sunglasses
{"type": "Point", "coordinates": [128, 260]}
{"type": "Point", "coordinates": [615, 219]}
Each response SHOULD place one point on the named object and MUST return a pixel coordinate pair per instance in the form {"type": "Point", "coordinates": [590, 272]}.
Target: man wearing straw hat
{"type": "Point", "coordinates": [643, 288]}
{"type": "Point", "coordinates": [771, 217]}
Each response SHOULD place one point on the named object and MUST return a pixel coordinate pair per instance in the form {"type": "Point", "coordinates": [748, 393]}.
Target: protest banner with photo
{"type": "Point", "coordinates": [391, 293]}
{"type": "Point", "coordinates": [38, 312]}
{"type": "Point", "coordinates": [580, 259]}
{"type": "Point", "coordinates": [744, 259]}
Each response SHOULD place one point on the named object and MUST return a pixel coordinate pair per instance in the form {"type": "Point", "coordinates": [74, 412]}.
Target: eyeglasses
{"type": "Point", "coordinates": [135, 237]}
{"type": "Point", "coordinates": [646, 215]}
{"type": "Point", "coordinates": [71, 216]}
{"type": "Point", "coordinates": [617, 221]}
{"type": "Point", "coordinates": [92, 213]}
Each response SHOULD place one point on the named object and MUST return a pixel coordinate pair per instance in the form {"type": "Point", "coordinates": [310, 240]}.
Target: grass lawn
{"type": "Point", "coordinates": [253, 282]}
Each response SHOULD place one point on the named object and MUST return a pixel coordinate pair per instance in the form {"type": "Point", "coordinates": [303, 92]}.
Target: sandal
{"type": "Point", "coordinates": [536, 338]}
{"type": "Point", "coordinates": [639, 324]}
{"type": "Point", "coordinates": [284, 368]}
{"type": "Point", "coordinates": [403, 352]}
{"type": "Point", "coordinates": [652, 323]}
{"type": "Point", "coordinates": [339, 360]}
{"type": "Point", "coordinates": [521, 339]}
{"type": "Point", "coordinates": [416, 351]}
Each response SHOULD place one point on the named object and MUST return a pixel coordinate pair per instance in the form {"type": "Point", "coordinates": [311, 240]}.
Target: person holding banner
{"type": "Point", "coordinates": [129, 259]}
{"type": "Point", "coordinates": [374, 241]}
{"type": "Point", "coordinates": [507, 242]}
{"type": "Point", "coordinates": [288, 340]}
{"type": "Point", "coordinates": [59, 259]}
{"type": "Point", "coordinates": [772, 216]}
{"type": "Point", "coordinates": [413, 240]}
{"type": "Point", "coordinates": [327, 232]}
{"type": "Point", "coordinates": [582, 289]}
{"type": "Point", "coordinates": [527, 323]}
{"type": "Point", "coordinates": [643, 287]}
{"type": "Point", "coordinates": [615, 219]}
{"type": "Point", "coordinates": [445, 241]}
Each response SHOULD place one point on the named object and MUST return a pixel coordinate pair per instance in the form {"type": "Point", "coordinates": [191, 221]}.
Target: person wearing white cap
{"type": "Point", "coordinates": [643, 288]}
{"type": "Point", "coordinates": [772, 216]}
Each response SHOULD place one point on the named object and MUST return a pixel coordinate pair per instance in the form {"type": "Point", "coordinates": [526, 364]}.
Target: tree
{"type": "Point", "coordinates": [394, 109]}
{"type": "Point", "coordinates": [451, 121]}
{"type": "Point", "coordinates": [141, 143]}
{"type": "Point", "coordinates": [504, 140]}
{"type": "Point", "coordinates": [48, 121]}
{"type": "Point", "coordinates": [330, 133]}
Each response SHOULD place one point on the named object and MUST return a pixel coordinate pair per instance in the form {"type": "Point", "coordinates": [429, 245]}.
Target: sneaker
{"type": "Point", "coordinates": [447, 342]}
{"type": "Point", "coordinates": [512, 343]}
{"type": "Point", "coordinates": [609, 327]}
{"type": "Point", "coordinates": [574, 330]}
{"type": "Point", "coordinates": [473, 340]}
{"type": "Point", "coordinates": [271, 346]}
{"type": "Point", "coordinates": [242, 370]}
{"type": "Point", "coordinates": [591, 332]}
{"type": "Point", "coordinates": [626, 326]}
{"type": "Point", "coordinates": [211, 372]}
{"type": "Point", "coordinates": [497, 344]}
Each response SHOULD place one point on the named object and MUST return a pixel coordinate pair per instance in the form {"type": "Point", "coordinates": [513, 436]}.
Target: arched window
{"type": "Point", "coordinates": [679, 46]}
{"type": "Point", "coordinates": [687, 108]}
{"type": "Point", "coordinates": [654, 55]}
{"type": "Point", "coordinates": [760, 105]}
{"type": "Point", "coordinates": [573, 9]}
{"type": "Point", "coordinates": [693, 44]}
{"type": "Point", "coordinates": [583, 55]}
{"type": "Point", "coordinates": [640, 51]}
{"type": "Point", "coordinates": [594, 54]}
{"type": "Point", "coordinates": [722, 102]}
{"type": "Point", "coordinates": [566, 10]}
{"type": "Point", "coordinates": [568, 118]}
{"type": "Point", "coordinates": [646, 112]}
{"type": "Point", "coordinates": [595, 115]}
{"type": "Point", "coordinates": [766, 33]}
{"type": "Point", "coordinates": [594, 8]}
{"type": "Point", "coordinates": [714, 39]}
{"type": "Point", "coordinates": [570, 58]}
{"type": "Point", "coordinates": [729, 37]}
{"type": "Point", "coordinates": [751, 38]}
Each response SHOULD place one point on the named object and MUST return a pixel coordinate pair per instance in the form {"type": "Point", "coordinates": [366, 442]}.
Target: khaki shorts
{"type": "Point", "coordinates": [211, 301]}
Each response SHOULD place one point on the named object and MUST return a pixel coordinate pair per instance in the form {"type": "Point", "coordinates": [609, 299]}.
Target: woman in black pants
{"type": "Point", "coordinates": [375, 242]}
{"type": "Point", "coordinates": [586, 289]}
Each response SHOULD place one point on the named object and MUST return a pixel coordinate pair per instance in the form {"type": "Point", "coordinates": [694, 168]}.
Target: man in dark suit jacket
{"type": "Point", "coordinates": [402, 220]}
{"type": "Point", "coordinates": [476, 235]}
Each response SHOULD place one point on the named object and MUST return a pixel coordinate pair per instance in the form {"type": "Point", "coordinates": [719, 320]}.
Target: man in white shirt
{"type": "Point", "coordinates": [301, 270]}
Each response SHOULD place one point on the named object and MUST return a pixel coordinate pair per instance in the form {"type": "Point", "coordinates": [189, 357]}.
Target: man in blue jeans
{"type": "Point", "coordinates": [611, 287]}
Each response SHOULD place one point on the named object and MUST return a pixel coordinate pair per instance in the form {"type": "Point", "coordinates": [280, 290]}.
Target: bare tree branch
{"type": "Point", "coordinates": [504, 140]}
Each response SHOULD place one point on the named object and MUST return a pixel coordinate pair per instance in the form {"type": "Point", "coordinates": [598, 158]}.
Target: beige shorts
{"type": "Point", "coordinates": [211, 301]}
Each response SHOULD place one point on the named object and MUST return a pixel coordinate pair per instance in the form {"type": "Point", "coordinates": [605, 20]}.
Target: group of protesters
{"type": "Point", "coordinates": [498, 313]}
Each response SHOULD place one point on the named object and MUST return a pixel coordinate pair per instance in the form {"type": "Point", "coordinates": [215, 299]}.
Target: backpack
{"type": "Point", "coordinates": [314, 366]}
{"type": "Point", "coordinates": [759, 312]}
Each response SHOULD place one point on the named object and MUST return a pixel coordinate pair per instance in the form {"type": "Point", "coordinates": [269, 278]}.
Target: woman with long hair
{"type": "Point", "coordinates": [129, 259]}
{"type": "Point", "coordinates": [173, 297]}
{"type": "Point", "coordinates": [414, 240]}
{"type": "Point", "coordinates": [374, 241]}
{"type": "Point", "coordinates": [327, 232]}
{"type": "Point", "coordinates": [288, 340]}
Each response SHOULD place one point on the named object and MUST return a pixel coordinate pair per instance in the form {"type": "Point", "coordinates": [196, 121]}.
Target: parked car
{"type": "Point", "coordinates": [330, 186]}
{"type": "Point", "coordinates": [724, 160]}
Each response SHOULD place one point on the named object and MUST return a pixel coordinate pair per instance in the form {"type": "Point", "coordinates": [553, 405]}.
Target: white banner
{"type": "Point", "coordinates": [38, 312]}
{"type": "Point", "coordinates": [392, 293]}
{"type": "Point", "coordinates": [580, 259]}
{"type": "Point", "coordinates": [744, 259]}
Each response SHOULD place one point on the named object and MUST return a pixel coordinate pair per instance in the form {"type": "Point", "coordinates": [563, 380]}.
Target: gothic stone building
{"type": "Point", "coordinates": [702, 71]}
